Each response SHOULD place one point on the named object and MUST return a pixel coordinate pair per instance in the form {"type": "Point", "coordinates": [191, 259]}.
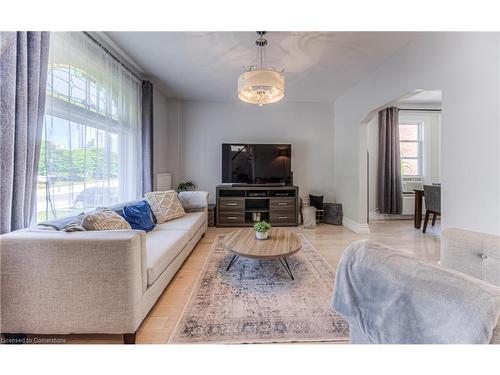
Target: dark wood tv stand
{"type": "Point", "coordinates": [236, 205]}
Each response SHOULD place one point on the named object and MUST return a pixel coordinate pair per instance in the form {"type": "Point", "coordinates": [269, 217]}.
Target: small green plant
{"type": "Point", "coordinates": [186, 185]}
{"type": "Point", "coordinates": [262, 226]}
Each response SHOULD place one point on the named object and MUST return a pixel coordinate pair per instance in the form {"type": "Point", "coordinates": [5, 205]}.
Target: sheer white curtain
{"type": "Point", "coordinates": [91, 145]}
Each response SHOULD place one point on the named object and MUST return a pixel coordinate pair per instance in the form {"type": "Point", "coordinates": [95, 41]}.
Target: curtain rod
{"type": "Point", "coordinates": [112, 55]}
{"type": "Point", "coordinates": [419, 109]}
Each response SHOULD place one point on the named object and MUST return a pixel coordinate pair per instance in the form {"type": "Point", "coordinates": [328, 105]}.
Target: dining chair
{"type": "Point", "coordinates": [432, 197]}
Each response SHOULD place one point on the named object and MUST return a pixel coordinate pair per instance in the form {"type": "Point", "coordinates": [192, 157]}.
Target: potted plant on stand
{"type": "Point", "coordinates": [186, 186]}
{"type": "Point", "coordinates": [261, 229]}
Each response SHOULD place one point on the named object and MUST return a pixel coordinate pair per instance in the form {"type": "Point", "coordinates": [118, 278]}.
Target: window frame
{"type": "Point", "coordinates": [420, 147]}
{"type": "Point", "coordinates": [61, 105]}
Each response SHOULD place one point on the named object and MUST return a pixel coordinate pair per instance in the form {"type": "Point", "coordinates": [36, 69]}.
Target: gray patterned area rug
{"type": "Point", "coordinates": [257, 302]}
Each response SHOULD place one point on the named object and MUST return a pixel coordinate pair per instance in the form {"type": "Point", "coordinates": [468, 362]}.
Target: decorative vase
{"type": "Point", "coordinates": [256, 216]}
{"type": "Point", "coordinates": [261, 235]}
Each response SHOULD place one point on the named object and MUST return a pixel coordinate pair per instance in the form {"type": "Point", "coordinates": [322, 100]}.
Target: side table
{"type": "Point", "coordinates": [211, 215]}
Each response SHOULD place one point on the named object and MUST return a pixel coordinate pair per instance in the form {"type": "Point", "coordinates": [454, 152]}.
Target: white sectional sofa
{"type": "Point", "coordinates": [55, 282]}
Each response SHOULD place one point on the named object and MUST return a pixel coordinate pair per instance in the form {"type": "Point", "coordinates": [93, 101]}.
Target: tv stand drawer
{"type": "Point", "coordinates": [282, 203]}
{"type": "Point", "coordinates": [282, 217]}
{"type": "Point", "coordinates": [232, 204]}
{"type": "Point", "coordinates": [235, 218]}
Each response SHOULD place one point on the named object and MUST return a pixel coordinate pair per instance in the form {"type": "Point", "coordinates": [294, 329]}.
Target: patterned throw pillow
{"type": "Point", "coordinates": [305, 201]}
{"type": "Point", "coordinates": [104, 219]}
{"type": "Point", "coordinates": [75, 225]}
{"type": "Point", "coordinates": [165, 205]}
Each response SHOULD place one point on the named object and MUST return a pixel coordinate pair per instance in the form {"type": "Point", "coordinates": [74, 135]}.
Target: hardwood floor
{"type": "Point", "coordinates": [329, 240]}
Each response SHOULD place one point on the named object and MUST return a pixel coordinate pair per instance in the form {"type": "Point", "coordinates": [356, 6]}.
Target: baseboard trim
{"type": "Point", "coordinates": [355, 227]}
{"type": "Point", "coordinates": [374, 215]}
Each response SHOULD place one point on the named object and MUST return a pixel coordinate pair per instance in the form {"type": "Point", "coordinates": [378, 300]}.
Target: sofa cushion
{"type": "Point", "coordinates": [161, 249]}
{"type": "Point", "coordinates": [193, 200]}
{"type": "Point", "coordinates": [191, 222]}
{"type": "Point", "coordinates": [165, 205]}
{"type": "Point", "coordinates": [118, 208]}
{"type": "Point", "coordinates": [104, 219]}
{"type": "Point", "coordinates": [138, 215]}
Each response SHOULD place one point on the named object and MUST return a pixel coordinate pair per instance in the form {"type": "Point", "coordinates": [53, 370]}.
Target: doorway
{"type": "Point", "coordinates": [420, 151]}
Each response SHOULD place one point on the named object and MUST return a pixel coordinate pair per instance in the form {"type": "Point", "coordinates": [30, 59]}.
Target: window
{"type": "Point", "coordinates": [91, 140]}
{"type": "Point", "coordinates": [410, 144]}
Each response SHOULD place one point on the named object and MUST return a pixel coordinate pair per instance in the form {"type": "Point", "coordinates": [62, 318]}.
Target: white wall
{"type": "Point", "coordinates": [174, 143]}
{"type": "Point", "coordinates": [465, 66]}
{"type": "Point", "coordinates": [159, 131]}
{"type": "Point", "coordinates": [166, 136]}
{"type": "Point", "coordinates": [307, 126]}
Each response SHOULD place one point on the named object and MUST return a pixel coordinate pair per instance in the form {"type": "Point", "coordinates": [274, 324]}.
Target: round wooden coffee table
{"type": "Point", "coordinates": [279, 245]}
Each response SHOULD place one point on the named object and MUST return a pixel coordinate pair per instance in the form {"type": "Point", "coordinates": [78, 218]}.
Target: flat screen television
{"type": "Point", "coordinates": [261, 164]}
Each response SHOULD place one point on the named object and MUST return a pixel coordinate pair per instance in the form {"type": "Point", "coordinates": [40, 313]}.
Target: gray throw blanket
{"type": "Point", "coordinates": [392, 298]}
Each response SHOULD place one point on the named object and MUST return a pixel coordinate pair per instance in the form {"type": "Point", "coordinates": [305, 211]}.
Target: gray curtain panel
{"type": "Point", "coordinates": [147, 136]}
{"type": "Point", "coordinates": [23, 78]}
{"type": "Point", "coordinates": [390, 196]}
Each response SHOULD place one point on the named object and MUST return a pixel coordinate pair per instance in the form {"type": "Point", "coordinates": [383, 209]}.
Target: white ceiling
{"type": "Point", "coordinates": [319, 66]}
{"type": "Point", "coordinates": [424, 97]}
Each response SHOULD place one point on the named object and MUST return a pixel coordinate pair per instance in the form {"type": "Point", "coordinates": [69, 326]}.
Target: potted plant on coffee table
{"type": "Point", "coordinates": [261, 229]}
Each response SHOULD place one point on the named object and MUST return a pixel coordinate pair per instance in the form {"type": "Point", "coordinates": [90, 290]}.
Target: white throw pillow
{"type": "Point", "coordinates": [104, 219]}
{"type": "Point", "coordinates": [165, 205]}
{"type": "Point", "coordinates": [309, 215]}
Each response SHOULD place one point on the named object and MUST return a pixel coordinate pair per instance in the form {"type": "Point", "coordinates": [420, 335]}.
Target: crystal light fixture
{"type": "Point", "coordinates": [261, 85]}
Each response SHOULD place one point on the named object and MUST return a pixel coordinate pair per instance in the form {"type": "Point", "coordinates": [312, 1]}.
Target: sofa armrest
{"type": "Point", "coordinates": [81, 282]}
{"type": "Point", "coordinates": [391, 297]}
{"type": "Point", "coordinates": [475, 254]}
{"type": "Point", "coordinates": [194, 200]}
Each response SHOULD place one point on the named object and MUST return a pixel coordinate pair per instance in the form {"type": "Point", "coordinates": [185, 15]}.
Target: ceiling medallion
{"type": "Point", "coordinates": [261, 85]}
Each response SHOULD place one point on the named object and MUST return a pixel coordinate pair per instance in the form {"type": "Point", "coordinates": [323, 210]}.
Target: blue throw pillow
{"type": "Point", "coordinates": [138, 215]}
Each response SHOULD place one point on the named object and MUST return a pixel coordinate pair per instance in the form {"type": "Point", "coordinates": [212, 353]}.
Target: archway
{"type": "Point", "coordinates": [420, 119]}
